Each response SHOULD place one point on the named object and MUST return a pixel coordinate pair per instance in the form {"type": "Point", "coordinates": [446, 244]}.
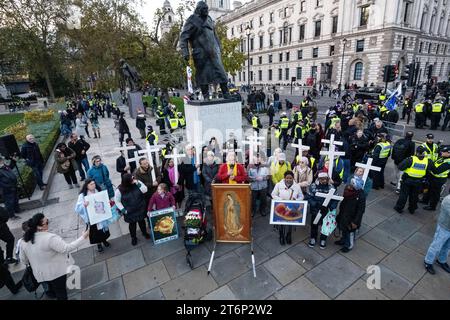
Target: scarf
{"type": "Point", "coordinates": [196, 177]}
{"type": "Point", "coordinates": [234, 173]}
{"type": "Point", "coordinates": [171, 172]}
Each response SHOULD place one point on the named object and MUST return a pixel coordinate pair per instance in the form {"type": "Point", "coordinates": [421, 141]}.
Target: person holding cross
{"type": "Point", "coordinates": [144, 175]}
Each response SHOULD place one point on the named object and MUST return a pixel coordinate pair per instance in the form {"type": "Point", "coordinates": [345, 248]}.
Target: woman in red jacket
{"type": "Point", "coordinates": [231, 172]}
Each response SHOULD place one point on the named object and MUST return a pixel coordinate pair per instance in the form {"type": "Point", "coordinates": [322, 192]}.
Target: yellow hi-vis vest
{"type": "Point", "coordinates": [382, 97]}
{"type": "Point", "coordinates": [295, 130]}
{"type": "Point", "coordinates": [333, 122]}
{"type": "Point", "coordinates": [385, 149]}
{"type": "Point", "coordinates": [431, 154]}
{"type": "Point", "coordinates": [284, 123]}
{"type": "Point", "coordinates": [255, 122]}
{"type": "Point", "coordinates": [418, 168]}
{"type": "Point", "coordinates": [299, 115]}
{"type": "Point", "coordinates": [173, 123]}
{"type": "Point", "coordinates": [182, 121]}
{"type": "Point", "coordinates": [419, 108]}
{"type": "Point", "coordinates": [155, 135]}
{"type": "Point", "coordinates": [437, 164]}
{"type": "Point", "coordinates": [437, 107]}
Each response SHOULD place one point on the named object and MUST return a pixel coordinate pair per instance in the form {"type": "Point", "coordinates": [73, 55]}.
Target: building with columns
{"type": "Point", "coordinates": [320, 41]}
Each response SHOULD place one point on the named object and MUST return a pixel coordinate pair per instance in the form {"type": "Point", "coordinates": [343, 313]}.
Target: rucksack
{"type": "Point", "coordinates": [399, 150]}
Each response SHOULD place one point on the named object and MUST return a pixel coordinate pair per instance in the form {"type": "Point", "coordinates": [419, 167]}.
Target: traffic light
{"type": "Point", "coordinates": [389, 73]}
{"type": "Point", "coordinates": [409, 74]}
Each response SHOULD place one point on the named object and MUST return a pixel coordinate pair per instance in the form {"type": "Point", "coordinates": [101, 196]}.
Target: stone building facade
{"type": "Point", "coordinates": [305, 39]}
{"type": "Point", "coordinates": [168, 19]}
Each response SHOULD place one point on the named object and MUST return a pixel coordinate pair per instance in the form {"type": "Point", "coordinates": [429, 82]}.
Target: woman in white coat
{"type": "Point", "coordinates": [286, 189]}
{"type": "Point", "coordinates": [80, 126]}
{"type": "Point", "coordinates": [48, 255]}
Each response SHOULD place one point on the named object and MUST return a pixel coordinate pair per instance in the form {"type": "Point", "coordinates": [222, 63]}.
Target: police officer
{"type": "Point", "coordinates": [284, 126]}
{"type": "Point", "coordinates": [381, 98]}
{"type": "Point", "coordinates": [438, 177]}
{"type": "Point", "coordinates": [447, 117]}
{"type": "Point", "coordinates": [8, 185]}
{"type": "Point", "coordinates": [173, 121]}
{"type": "Point", "coordinates": [436, 112]}
{"type": "Point", "coordinates": [161, 120]}
{"type": "Point", "coordinates": [407, 108]}
{"type": "Point", "coordinates": [256, 123]}
{"type": "Point", "coordinates": [431, 148]}
{"type": "Point", "coordinates": [415, 168]}
{"type": "Point", "coordinates": [181, 120]}
{"type": "Point", "coordinates": [420, 115]}
{"type": "Point", "coordinates": [381, 154]}
{"type": "Point", "coordinates": [152, 137]}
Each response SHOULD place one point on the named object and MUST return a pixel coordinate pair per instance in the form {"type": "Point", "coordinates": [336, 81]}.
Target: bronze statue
{"type": "Point", "coordinates": [130, 75]}
{"type": "Point", "coordinates": [199, 32]}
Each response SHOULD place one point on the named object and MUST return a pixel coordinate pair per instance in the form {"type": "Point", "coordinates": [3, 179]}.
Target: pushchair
{"type": "Point", "coordinates": [195, 225]}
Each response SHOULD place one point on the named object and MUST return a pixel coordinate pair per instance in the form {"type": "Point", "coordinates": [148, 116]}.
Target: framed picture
{"type": "Point", "coordinates": [99, 208]}
{"type": "Point", "coordinates": [163, 224]}
{"type": "Point", "coordinates": [232, 212]}
{"type": "Point", "coordinates": [288, 212]}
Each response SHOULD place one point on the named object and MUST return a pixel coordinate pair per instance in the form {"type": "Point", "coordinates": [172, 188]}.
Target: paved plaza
{"type": "Point", "coordinates": [396, 243]}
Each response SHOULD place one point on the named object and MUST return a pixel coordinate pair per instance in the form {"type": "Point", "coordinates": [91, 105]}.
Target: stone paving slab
{"type": "Point", "coordinates": [359, 291]}
{"type": "Point", "coordinates": [259, 253]}
{"type": "Point", "coordinates": [382, 239]}
{"type": "Point", "coordinates": [284, 268]}
{"type": "Point", "coordinates": [227, 268]}
{"type": "Point", "coordinates": [393, 285]}
{"type": "Point", "coordinates": [145, 279]}
{"type": "Point", "coordinates": [334, 275]}
{"type": "Point", "coordinates": [364, 254]}
{"type": "Point", "coordinates": [112, 290]}
{"type": "Point", "coordinates": [94, 275]}
{"type": "Point", "coordinates": [406, 263]}
{"type": "Point", "coordinates": [305, 256]}
{"type": "Point", "coordinates": [419, 242]}
{"type": "Point", "coordinates": [84, 257]}
{"type": "Point", "coordinates": [301, 289]}
{"type": "Point", "coordinates": [222, 293]}
{"type": "Point", "coordinates": [155, 294]}
{"type": "Point", "coordinates": [125, 263]}
{"type": "Point", "coordinates": [153, 253]}
{"type": "Point", "coordinates": [177, 265]}
{"type": "Point", "coordinates": [433, 287]}
{"type": "Point", "coordinates": [373, 219]}
{"type": "Point", "coordinates": [400, 227]}
{"type": "Point", "coordinates": [190, 286]}
{"type": "Point", "coordinates": [246, 287]}
{"type": "Point", "coordinates": [271, 244]}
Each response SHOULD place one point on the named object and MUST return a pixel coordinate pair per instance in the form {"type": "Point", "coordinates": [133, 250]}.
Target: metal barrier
{"type": "Point", "coordinates": [395, 129]}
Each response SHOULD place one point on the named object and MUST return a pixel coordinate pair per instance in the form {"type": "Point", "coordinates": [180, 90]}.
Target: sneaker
{"type": "Point", "coordinates": [444, 266]}
{"type": "Point", "coordinates": [106, 244]}
{"type": "Point", "coordinates": [17, 287]}
{"type": "Point", "coordinates": [397, 191]}
{"type": "Point", "coordinates": [323, 244]}
{"type": "Point", "coordinates": [429, 268]}
{"type": "Point", "coordinates": [345, 250]}
{"type": "Point", "coordinates": [398, 210]}
{"type": "Point", "coordinates": [100, 248]}
{"type": "Point", "coordinates": [312, 243]}
{"type": "Point", "coordinates": [339, 242]}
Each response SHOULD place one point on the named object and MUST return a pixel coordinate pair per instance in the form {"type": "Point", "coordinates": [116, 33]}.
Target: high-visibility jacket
{"type": "Point", "coordinates": [382, 97]}
{"type": "Point", "coordinates": [160, 114]}
{"type": "Point", "coordinates": [439, 162]}
{"type": "Point", "coordinates": [299, 115]}
{"type": "Point", "coordinates": [277, 171]}
{"type": "Point", "coordinates": [277, 133]}
{"type": "Point", "coordinates": [419, 108]}
{"type": "Point", "coordinates": [295, 131]}
{"type": "Point", "coordinates": [255, 122]}
{"type": "Point", "coordinates": [333, 122]}
{"type": "Point", "coordinates": [431, 154]}
{"type": "Point", "coordinates": [173, 123]}
{"type": "Point", "coordinates": [284, 123]}
{"type": "Point", "coordinates": [305, 103]}
{"type": "Point", "coordinates": [153, 133]}
{"type": "Point", "coordinates": [418, 168]}
{"type": "Point", "coordinates": [437, 107]}
{"type": "Point", "coordinates": [385, 149]}
{"type": "Point", "coordinates": [383, 109]}
{"type": "Point", "coordinates": [182, 122]}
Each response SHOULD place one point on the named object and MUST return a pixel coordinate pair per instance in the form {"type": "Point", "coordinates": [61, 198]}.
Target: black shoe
{"type": "Point", "coordinates": [411, 211]}
{"type": "Point", "coordinates": [147, 236]}
{"type": "Point", "coordinates": [429, 268]}
{"type": "Point", "coordinates": [50, 295]}
{"type": "Point", "coordinates": [444, 266]}
{"type": "Point", "coordinates": [398, 210]}
{"type": "Point", "coordinates": [339, 242]}
{"type": "Point", "coordinates": [429, 208]}
{"type": "Point", "coordinates": [134, 241]}
{"type": "Point", "coordinates": [289, 238]}
{"type": "Point", "coordinates": [345, 250]}
{"type": "Point", "coordinates": [106, 244]}
{"type": "Point", "coordinates": [11, 261]}
{"type": "Point", "coordinates": [100, 247]}
{"type": "Point", "coordinates": [17, 288]}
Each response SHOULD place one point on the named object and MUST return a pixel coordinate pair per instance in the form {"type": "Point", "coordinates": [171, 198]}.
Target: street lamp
{"type": "Point", "coordinates": [344, 41]}
{"type": "Point", "coordinates": [247, 32]}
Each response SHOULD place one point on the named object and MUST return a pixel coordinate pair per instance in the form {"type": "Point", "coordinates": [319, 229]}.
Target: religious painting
{"type": "Point", "coordinates": [288, 212]}
{"type": "Point", "coordinates": [98, 209]}
{"type": "Point", "coordinates": [232, 212]}
{"type": "Point", "coordinates": [163, 225]}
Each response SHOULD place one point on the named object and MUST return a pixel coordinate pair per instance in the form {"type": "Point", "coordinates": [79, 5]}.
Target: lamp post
{"type": "Point", "coordinates": [247, 32]}
{"type": "Point", "coordinates": [344, 41]}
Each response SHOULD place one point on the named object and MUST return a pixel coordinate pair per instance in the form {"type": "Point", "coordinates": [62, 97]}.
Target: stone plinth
{"type": "Point", "coordinates": [216, 118]}
{"type": "Point", "coordinates": [135, 103]}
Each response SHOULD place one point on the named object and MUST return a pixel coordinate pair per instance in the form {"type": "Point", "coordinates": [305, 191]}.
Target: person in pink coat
{"type": "Point", "coordinates": [161, 199]}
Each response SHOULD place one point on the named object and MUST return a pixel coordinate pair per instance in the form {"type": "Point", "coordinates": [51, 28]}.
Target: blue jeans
{"type": "Point", "coordinates": [349, 238]}
{"type": "Point", "coordinates": [347, 169]}
{"type": "Point", "coordinates": [258, 106]}
{"type": "Point", "coordinates": [83, 163]}
{"type": "Point", "coordinates": [38, 173]}
{"type": "Point", "coordinates": [65, 130]}
{"type": "Point", "coordinates": [440, 246]}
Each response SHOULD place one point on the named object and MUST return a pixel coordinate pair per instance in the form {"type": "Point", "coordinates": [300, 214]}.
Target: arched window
{"type": "Point", "coordinates": [358, 71]}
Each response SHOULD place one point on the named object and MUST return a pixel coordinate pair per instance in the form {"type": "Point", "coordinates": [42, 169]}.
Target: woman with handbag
{"type": "Point", "coordinates": [66, 164]}
{"type": "Point", "coordinates": [287, 189]}
{"type": "Point", "coordinates": [48, 255]}
{"type": "Point", "coordinates": [100, 173]}
{"type": "Point", "coordinates": [98, 233]}
{"type": "Point", "coordinates": [130, 200]}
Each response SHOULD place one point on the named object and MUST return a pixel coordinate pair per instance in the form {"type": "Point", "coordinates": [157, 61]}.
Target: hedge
{"type": "Point", "coordinates": [177, 101]}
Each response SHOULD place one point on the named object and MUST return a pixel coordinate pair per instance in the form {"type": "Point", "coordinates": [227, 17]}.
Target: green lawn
{"type": "Point", "coordinates": [9, 119]}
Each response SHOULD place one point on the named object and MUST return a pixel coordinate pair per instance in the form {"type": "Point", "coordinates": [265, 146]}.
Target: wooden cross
{"type": "Point", "coordinates": [300, 147]}
{"type": "Point", "coordinates": [149, 153]}
{"type": "Point", "coordinates": [226, 151]}
{"type": "Point", "coordinates": [126, 149]}
{"type": "Point", "coordinates": [157, 147]}
{"type": "Point", "coordinates": [253, 142]}
{"type": "Point", "coordinates": [332, 153]}
{"type": "Point", "coordinates": [367, 168]}
{"type": "Point", "coordinates": [175, 155]}
{"type": "Point", "coordinates": [328, 197]}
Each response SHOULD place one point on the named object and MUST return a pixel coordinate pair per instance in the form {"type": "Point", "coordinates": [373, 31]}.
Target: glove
{"type": "Point", "coordinates": [123, 211]}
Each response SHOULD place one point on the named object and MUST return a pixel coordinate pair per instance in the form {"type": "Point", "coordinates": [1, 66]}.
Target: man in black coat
{"type": "Point", "coordinates": [402, 149]}
{"type": "Point", "coordinates": [6, 236]}
{"type": "Point", "coordinates": [199, 32]}
{"type": "Point", "coordinates": [32, 154]}
{"type": "Point", "coordinates": [123, 128]}
{"type": "Point", "coordinates": [80, 146]}
{"type": "Point", "coordinates": [189, 172]}
{"type": "Point", "coordinates": [8, 185]}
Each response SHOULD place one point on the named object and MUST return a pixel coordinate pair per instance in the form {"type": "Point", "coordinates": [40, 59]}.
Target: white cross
{"type": "Point", "coordinates": [126, 149]}
{"type": "Point", "coordinates": [300, 147]}
{"type": "Point", "coordinates": [367, 167]}
{"type": "Point", "coordinates": [198, 150]}
{"type": "Point", "coordinates": [158, 147]}
{"type": "Point", "coordinates": [253, 142]}
{"type": "Point", "coordinates": [332, 153]}
{"type": "Point", "coordinates": [149, 152]}
{"type": "Point", "coordinates": [226, 151]}
{"type": "Point", "coordinates": [175, 155]}
{"type": "Point", "coordinates": [328, 197]}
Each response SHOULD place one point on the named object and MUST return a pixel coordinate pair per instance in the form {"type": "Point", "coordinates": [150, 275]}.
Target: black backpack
{"type": "Point", "coordinates": [399, 150]}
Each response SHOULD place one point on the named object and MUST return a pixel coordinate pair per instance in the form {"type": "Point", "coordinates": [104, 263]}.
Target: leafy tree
{"type": "Point", "coordinates": [232, 58]}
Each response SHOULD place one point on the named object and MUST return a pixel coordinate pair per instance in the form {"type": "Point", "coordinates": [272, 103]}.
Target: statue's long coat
{"type": "Point", "coordinates": [206, 51]}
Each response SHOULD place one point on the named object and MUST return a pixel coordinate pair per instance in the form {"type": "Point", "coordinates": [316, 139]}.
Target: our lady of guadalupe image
{"type": "Point", "coordinates": [232, 215]}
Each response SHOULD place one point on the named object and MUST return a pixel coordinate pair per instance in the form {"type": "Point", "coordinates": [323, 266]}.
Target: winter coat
{"type": "Point", "coordinates": [146, 178]}
{"type": "Point", "coordinates": [303, 179]}
{"type": "Point", "coordinates": [359, 147]}
{"type": "Point", "coordinates": [133, 201]}
{"type": "Point", "coordinates": [62, 157]}
{"type": "Point", "coordinates": [140, 121]}
{"type": "Point", "coordinates": [80, 127]}
{"type": "Point", "coordinates": [101, 176]}
{"type": "Point", "coordinates": [157, 202]}
{"type": "Point", "coordinates": [78, 147]}
{"type": "Point", "coordinates": [8, 179]}
{"type": "Point", "coordinates": [351, 209]}
{"type": "Point", "coordinates": [123, 126]}
{"type": "Point", "coordinates": [222, 175]}
{"type": "Point", "coordinates": [315, 202]}
{"type": "Point", "coordinates": [32, 154]}
{"type": "Point", "coordinates": [209, 172]}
